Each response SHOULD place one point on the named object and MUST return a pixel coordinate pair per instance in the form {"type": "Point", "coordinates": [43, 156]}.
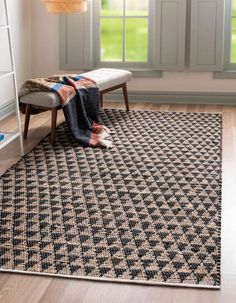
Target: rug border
{"type": "Point", "coordinates": [220, 236]}
{"type": "Point", "coordinates": [165, 111]}
{"type": "Point", "coordinates": [110, 280]}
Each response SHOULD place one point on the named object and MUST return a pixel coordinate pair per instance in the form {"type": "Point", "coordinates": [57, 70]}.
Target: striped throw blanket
{"type": "Point", "coordinates": [79, 97]}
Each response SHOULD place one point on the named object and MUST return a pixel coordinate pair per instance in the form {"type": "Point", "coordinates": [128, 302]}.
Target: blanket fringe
{"type": "Point", "coordinates": [101, 139]}
{"type": "Point", "coordinates": [104, 134]}
{"type": "Point", "coordinates": [106, 129]}
{"type": "Point", "coordinates": [106, 143]}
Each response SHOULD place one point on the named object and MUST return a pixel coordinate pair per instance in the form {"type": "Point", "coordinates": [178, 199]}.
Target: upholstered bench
{"type": "Point", "coordinates": [107, 80]}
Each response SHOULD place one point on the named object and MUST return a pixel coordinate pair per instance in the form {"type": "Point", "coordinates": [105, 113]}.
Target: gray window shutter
{"type": "Point", "coordinates": [206, 35]}
{"type": "Point", "coordinates": [170, 33]}
{"type": "Point", "coordinates": [75, 41]}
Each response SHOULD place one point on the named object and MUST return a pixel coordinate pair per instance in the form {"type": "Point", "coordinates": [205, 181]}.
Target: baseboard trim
{"type": "Point", "coordinates": [153, 97]}
{"type": "Point", "coordinates": [175, 97]}
{"type": "Point", "coordinates": [7, 109]}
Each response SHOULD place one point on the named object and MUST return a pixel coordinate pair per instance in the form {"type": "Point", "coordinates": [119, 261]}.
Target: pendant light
{"type": "Point", "coordinates": [66, 6]}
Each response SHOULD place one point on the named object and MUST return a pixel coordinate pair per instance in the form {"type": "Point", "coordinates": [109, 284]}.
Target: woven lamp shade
{"type": "Point", "coordinates": [66, 6]}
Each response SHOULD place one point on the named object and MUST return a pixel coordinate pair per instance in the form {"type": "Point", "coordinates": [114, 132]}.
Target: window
{"type": "Point", "coordinates": [230, 35]}
{"type": "Point", "coordinates": [123, 33]}
{"type": "Point", "coordinates": [144, 36]}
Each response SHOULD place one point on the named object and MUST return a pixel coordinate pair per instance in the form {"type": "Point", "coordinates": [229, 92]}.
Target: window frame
{"type": "Point", "coordinates": [228, 65]}
{"type": "Point", "coordinates": [76, 40]}
{"type": "Point", "coordinates": [135, 66]}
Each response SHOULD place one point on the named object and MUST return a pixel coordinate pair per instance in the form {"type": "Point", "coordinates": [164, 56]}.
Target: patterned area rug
{"type": "Point", "coordinates": [145, 211]}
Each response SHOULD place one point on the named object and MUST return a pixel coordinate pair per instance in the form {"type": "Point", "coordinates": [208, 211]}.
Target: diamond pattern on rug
{"type": "Point", "coordinates": [147, 210]}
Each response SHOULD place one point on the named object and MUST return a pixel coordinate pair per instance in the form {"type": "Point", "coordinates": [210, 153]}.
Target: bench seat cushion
{"type": "Point", "coordinates": [108, 77]}
{"type": "Point", "coordinates": [104, 77]}
{"type": "Point", "coordinates": [44, 99]}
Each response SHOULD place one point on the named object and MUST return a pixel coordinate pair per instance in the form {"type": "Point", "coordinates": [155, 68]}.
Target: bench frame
{"type": "Point", "coordinates": [55, 109]}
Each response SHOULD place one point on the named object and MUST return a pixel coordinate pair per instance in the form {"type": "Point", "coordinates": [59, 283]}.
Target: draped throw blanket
{"type": "Point", "coordinates": [79, 97]}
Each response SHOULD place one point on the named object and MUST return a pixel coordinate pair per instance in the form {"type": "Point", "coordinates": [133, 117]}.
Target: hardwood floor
{"type": "Point", "coordinates": [15, 288]}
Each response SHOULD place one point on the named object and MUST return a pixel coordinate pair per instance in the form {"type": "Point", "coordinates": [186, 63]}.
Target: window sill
{"type": "Point", "coordinates": [146, 74]}
{"type": "Point", "coordinates": [225, 75]}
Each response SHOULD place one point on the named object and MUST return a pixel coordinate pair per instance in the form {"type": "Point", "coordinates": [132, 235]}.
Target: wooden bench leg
{"type": "Point", "coordinates": [125, 92]}
{"type": "Point", "coordinates": [53, 124]}
{"type": "Point", "coordinates": [27, 119]}
{"type": "Point", "coordinates": [101, 99]}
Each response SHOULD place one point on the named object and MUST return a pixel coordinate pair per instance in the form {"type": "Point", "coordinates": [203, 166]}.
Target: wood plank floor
{"type": "Point", "coordinates": [15, 288]}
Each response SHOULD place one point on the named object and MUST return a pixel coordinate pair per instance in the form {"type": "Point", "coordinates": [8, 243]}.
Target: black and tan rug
{"type": "Point", "coordinates": [145, 211]}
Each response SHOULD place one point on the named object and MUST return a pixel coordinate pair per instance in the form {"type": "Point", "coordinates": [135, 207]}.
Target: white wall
{"type": "Point", "coordinates": [19, 15]}
{"type": "Point", "coordinates": [45, 61]}
{"type": "Point", "coordinates": [44, 40]}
